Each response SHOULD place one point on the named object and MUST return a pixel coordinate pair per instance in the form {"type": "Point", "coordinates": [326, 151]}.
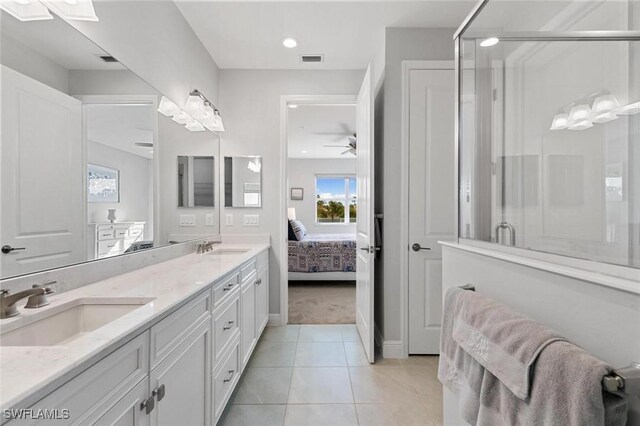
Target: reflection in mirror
{"type": "Point", "coordinates": [243, 181]}
{"type": "Point", "coordinates": [79, 191]}
{"type": "Point", "coordinates": [195, 181]}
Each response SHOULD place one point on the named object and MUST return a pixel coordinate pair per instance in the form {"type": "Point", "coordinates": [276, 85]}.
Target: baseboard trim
{"type": "Point", "coordinates": [274, 320]}
{"type": "Point", "coordinates": [392, 349]}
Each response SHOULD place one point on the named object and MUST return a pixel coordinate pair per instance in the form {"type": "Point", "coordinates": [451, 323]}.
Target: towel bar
{"type": "Point", "coordinates": [625, 379]}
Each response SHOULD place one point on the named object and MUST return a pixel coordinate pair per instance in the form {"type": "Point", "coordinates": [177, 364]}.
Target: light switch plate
{"type": "Point", "coordinates": [228, 219]}
{"type": "Point", "coordinates": [187, 220]}
{"type": "Point", "coordinates": [251, 220]}
{"type": "Point", "coordinates": [209, 219]}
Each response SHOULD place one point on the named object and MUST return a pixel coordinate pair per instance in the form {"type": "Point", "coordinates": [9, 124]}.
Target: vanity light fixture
{"type": "Point", "coordinates": [168, 108]}
{"type": "Point", "coordinates": [182, 118]}
{"type": "Point", "coordinates": [488, 42]}
{"type": "Point", "coordinates": [289, 42]}
{"type": "Point", "coordinates": [76, 10]}
{"type": "Point", "coordinates": [200, 114]}
{"type": "Point", "coordinates": [579, 117]}
{"type": "Point", "coordinates": [195, 126]}
{"type": "Point", "coordinates": [26, 10]}
{"type": "Point", "coordinates": [194, 106]}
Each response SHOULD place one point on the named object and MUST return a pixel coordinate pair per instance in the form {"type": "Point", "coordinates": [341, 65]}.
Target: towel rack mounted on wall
{"type": "Point", "coordinates": [625, 379]}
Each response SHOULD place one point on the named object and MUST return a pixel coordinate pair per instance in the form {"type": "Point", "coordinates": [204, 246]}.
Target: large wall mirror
{"type": "Point", "coordinates": [81, 178]}
{"type": "Point", "coordinates": [243, 181]}
{"type": "Point", "coordinates": [196, 181]}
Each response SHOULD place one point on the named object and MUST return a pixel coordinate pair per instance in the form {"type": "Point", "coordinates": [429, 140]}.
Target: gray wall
{"type": "Point", "coordinates": [400, 44]}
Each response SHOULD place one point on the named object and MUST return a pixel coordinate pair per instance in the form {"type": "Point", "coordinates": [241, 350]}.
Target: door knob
{"type": "Point", "coordinates": [8, 249]}
{"type": "Point", "coordinates": [417, 247]}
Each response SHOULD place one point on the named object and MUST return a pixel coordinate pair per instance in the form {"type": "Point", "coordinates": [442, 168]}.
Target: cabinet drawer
{"type": "Point", "coordinates": [109, 247]}
{"type": "Point", "coordinates": [224, 288]}
{"type": "Point", "coordinates": [225, 379]}
{"type": "Point", "coordinates": [121, 232]}
{"type": "Point", "coordinates": [173, 330]}
{"type": "Point", "coordinates": [90, 395]}
{"type": "Point", "coordinates": [106, 234]}
{"type": "Point", "coordinates": [225, 326]}
{"type": "Point", "coordinates": [135, 231]}
{"type": "Point", "coordinates": [263, 260]}
{"type": "Point", "coordinates": [247, 270]}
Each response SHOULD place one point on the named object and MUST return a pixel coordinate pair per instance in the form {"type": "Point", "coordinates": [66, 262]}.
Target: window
{"type": "Point", "coordinates": [336, 200]}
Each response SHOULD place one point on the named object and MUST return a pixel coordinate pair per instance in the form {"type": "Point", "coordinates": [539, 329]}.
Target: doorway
{"type": "Point", "coordinates": [322, 213]}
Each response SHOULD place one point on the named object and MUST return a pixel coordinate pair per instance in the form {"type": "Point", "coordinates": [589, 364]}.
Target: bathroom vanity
{"type": "Point", "coordinates": [165, 344]}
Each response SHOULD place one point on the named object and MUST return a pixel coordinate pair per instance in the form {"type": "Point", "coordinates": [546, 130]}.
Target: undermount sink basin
{"type": "Point", "coordinates": [229, 252]}
{"type": "Point", "coordinates": [71, 320]}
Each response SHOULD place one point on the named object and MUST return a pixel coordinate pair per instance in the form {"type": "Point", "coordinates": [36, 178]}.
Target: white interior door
{"type": "Point", "coordinates": [365, 225]}
{"type": "Point", "coordinates": [42, 177]}
{"type": "Point", "coordinates": [431, 200]}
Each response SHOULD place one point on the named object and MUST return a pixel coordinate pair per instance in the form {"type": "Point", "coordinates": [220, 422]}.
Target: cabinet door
{"type": "Point", "coordinates": [181, 383]}
{"type": "Point", "coordinates": [248, 320]}
{"type": "Point", "coordinates": [128, 411]}
{"type": "Point", "coordinates": [262, 301]}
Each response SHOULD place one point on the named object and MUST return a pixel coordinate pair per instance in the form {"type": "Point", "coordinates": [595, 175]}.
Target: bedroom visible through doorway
{"type": "Point", "coordinates": [322, 211]}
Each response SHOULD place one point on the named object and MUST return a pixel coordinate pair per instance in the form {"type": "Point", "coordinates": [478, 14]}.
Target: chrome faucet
{"type": "Point", "coordinates": [37, 298]}
{"type": "Point", "coordinates": [512, 232]}
{"type": "Point", "coordinates": [206, 246]}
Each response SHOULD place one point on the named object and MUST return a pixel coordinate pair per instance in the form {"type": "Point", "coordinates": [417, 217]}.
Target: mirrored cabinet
{"type": "Point", "coordinates": [243, 181]}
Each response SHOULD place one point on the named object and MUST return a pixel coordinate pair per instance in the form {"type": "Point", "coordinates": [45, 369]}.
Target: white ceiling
{"type": "Point", "coordinates": [58, 41]}
{"type": "Point", "coordinates": [334, 123]}
{"type": "Point", "coordinates": [249, 34]}
{"type": "Point", "coordinates": [120, 126]}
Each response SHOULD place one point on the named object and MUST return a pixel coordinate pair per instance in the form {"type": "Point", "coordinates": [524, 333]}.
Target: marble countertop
{"type": "Point", "coordinates": [29, 373]}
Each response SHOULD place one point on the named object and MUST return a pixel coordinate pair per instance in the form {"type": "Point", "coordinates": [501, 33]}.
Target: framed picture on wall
{"type": "Point", "coordinates": [297, 194]}
{"type": "Point", "coordinates": [103, 184]}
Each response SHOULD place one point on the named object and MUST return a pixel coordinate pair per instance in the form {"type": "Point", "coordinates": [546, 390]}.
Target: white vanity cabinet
{"type": "Point", "coordinates": [180, 371]}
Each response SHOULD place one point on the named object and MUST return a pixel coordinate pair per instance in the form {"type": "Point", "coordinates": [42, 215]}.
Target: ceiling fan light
{"type": "Point", "coordinates": [560, 121]}
{"type": "Point", "coordinates": [168, 108]}
{"type": "Point", "coordinates": [75, 10]}
{"type": "Point", "coordinates": [25, 10]}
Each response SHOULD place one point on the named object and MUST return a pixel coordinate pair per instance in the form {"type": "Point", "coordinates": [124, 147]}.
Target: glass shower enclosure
{"type": "Point", "coordinates": [548, 128]}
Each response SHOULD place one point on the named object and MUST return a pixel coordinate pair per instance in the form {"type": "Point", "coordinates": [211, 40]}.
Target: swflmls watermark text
{"type": "Point", "coordinates": [36, 414]}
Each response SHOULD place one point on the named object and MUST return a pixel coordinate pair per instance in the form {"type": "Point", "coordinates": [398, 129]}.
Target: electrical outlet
{"type": "Point", "coordinates": [187, 220]}
{"type": "Point", "coordinates": [251, 220]}
{"type": "Point", "coordinates": [209, 219]}
{"type": "Point", "coordinates": [228, 219]}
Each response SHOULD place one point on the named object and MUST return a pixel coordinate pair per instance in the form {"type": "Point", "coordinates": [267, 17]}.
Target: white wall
{"type": "Point", "coordinates": [250, 104]}
{"type": "Point", "coordinates": [21, 58]}
{"type": "Point", "coordinates": [400, 44]}
{"type": "Point", "coordinates": [153, 39]}
{"type": "Point", "coordinates": [302, 174]}
{"type": "Point", "coordinates": [114, 82]}
{"type": "Point", "coordinates": [134, 186]}
{"type": "Point", "coordinates": [175, 140]}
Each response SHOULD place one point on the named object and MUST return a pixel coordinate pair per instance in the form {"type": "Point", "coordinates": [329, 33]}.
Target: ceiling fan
{"type": "Point", "coordinates": [351, 148]}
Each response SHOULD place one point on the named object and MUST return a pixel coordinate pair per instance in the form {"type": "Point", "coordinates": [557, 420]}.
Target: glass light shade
{"type": "Point", "coordinates": [80, 10]}
{"type": "Point", "coordinates": [25, 10]}
{"type": "Point", "coordinates": [560, 121]}
{"type": "Point", "coordinates": [194, 106]}
{"type": "Point", "coordinates": [604, 103]}
{"type": "Point", "coordinates": [168, 108]}
{"type": "Point", "coordinates": [219, 123]}
{"type": "Point", "coordinates": [195, 126]}
{"type": "Point", "coordinates": [182, 118]}
{"type": "Point", "coordinates": [580, 117]}
{"type": "Point", "coordinates": [633, 108]}
{"type": "Point", "coordinates": [604, 117]}
{"type": "Point", "coordinates": [581, 125]}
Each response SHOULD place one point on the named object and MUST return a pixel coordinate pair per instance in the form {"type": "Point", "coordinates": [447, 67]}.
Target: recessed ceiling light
{"type": "Point", "coordinates": [488, 42]}
{"type": "Point", "coordinates": [289, 42]}
{"type": "Point", "coordinates": [293, 106]}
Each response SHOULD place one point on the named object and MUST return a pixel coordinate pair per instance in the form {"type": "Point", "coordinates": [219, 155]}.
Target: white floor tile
{"type": "Point", "coordinates": [321, 415]}
{"type": "Point", "coordinates": [320, 354]}
{"type": "Point", "coordinates": [323, 385]}
{"type": "Point", "coordinates": [320, 333]}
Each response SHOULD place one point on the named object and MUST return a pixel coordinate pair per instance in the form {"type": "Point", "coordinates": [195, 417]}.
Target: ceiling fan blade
{"type": "Point", "coordinates": [345, 152]}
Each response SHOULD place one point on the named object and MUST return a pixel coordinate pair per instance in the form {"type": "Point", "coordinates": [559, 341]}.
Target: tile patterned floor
{"type": "Point", "coordinates": [319, 375]}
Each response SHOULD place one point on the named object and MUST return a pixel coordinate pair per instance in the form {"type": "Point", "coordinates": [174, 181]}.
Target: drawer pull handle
{"type": "Point", "coordinates": [259, 281]}
{"type": "Point", "coordinates": [228, 327]}
{"type": "Point", "coordinates": [228, 379]}
{"type": "Point", "coordinates": [227, 288]}
{"type": "Point", "coordinates": [148, 405]}
{"type": "Point", "coordinates": [159, 392]}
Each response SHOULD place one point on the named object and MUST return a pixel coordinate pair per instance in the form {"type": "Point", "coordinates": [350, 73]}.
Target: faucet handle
{"type": "Point", "coordinates": [39, 300]}
{"type": "Point", "coordinates": [4, 292]}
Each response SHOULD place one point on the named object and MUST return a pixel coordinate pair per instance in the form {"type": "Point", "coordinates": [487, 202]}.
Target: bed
{"type": "Point", "coordinates": [323, 257]}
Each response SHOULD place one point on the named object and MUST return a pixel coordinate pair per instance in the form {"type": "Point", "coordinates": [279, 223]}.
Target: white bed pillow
{"type": "Point", "coordinates": [299, 229]}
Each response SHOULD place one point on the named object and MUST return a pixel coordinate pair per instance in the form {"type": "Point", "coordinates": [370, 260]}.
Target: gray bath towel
{"type": "Point", "coordinates": [509, 370]}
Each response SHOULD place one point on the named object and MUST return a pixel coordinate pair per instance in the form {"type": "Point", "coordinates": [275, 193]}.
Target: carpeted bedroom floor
{"type": "Point", "coordinates": [322, 302]}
